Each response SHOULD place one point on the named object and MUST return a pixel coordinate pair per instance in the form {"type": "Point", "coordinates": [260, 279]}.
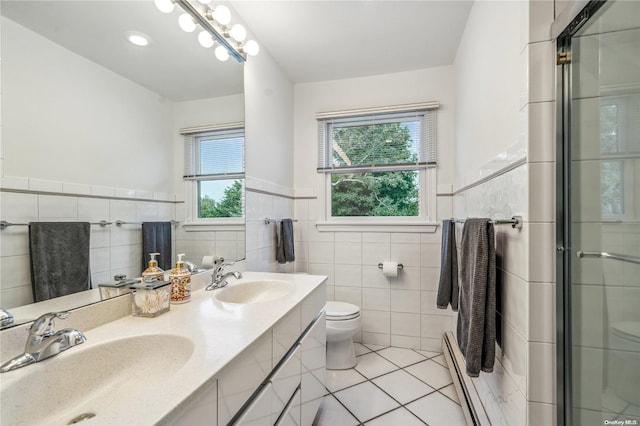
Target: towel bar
{"type": "Point", "coordinates": [4, 224]}
{"type": "Point", "coordinates": [515, 221]}
{"type": "Point", "coordinates": [267, 221]}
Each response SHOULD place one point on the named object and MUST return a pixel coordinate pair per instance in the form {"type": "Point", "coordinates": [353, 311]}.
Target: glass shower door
{"type": "Point", "coordinates": [602, 190]}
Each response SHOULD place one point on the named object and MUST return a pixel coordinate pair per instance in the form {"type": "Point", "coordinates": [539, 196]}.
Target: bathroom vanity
{"type": "Point", "coordinates": [250, 353]}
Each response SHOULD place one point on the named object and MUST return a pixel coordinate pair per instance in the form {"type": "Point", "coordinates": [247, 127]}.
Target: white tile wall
{"type": "Point", "coordinates": [113, 249]}
{"type": "Point", "coordinates": [395, 310]}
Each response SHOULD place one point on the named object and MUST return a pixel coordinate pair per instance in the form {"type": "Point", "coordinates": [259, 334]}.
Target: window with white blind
{"type": "Point", "coordinates": [379, 163]}
{"type": "Point", "coordinates": [214, 169]}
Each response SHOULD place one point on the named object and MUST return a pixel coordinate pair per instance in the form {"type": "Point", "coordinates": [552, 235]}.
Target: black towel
{"type": "Point", "coordinates": [448, 286]}
{"type": "Point", "coordinates": [477, 316]}
{"type": "Point", "coordinates": [59, 254]}
{"type": "Point", "coordinates": [284, 249]}
{"type": "Point", "coordinates": [156, 238]}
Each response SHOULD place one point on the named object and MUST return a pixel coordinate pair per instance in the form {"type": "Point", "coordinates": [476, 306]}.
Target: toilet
{"type": "Point", "coordinates": [625, 340]}
{"type": "Point", "coordinates": [343, 322]}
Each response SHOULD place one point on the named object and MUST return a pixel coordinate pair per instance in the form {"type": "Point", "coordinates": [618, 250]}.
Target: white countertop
{"type": "Point", "coordinates": [219, 332]}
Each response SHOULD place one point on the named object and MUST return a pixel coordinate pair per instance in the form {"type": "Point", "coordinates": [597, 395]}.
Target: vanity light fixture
{"type": "Point", "coordinates": [164, 6]}
{"type": "Point", "coordinates": [187, 23]}
{"type": "Point", "coordinates": [205, 39]}
{"type": "Point", "coordinates": [215, 24]}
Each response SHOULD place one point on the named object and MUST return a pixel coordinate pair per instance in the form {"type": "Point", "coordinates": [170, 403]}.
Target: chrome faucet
{"type": "Point", "coordinates": [43, 342]}
{"type": "Point", "coordinates": [219, 277]}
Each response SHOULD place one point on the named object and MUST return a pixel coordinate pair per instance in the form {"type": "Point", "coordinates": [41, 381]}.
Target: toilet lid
{"type": "Point", "coordinates": [629, 330]}
{"type": "Point", "coordinates": [341, 311]}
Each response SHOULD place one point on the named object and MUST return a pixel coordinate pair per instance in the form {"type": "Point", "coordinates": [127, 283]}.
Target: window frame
{"type": "Point", "coordinates": [192, 181]}
{"type": "Point", "coordinates": [427, 174]}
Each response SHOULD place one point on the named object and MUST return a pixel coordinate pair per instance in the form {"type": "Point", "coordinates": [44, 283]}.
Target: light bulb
{"type": "Point", "coordinates": [164, 6]}
{"type": "Point", "coordinates": [205, 39]}
{"type": "Point", "coordinates": [222, 14]}
{"type": "Point", "coordinates": [186, 23]}
{"type": "Point", "coordinates": [238, 33]}
{"type": "Point", "coordinates": [252, 48]}
{"type": "Point", "coordinates": [221, 53]}
{"type": "Point", "coordinates": [138, 40]}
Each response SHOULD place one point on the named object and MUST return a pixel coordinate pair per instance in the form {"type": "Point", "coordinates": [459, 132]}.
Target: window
{"type": "Point", "coordinates": [619, 149]}
{"type": "Point", "coordinates": [214, 170]}
{"type": "Point", "coordinates": [379, 164]}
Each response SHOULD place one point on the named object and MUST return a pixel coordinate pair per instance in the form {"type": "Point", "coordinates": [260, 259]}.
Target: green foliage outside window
{"type": "Point", "coordinates": [390, 193]}
{"type": "Point", "coordinates": [229, 206]}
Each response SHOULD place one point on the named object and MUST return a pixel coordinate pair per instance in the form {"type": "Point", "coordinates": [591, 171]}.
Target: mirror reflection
{"type": "Point", "coordinates": [94, 129]}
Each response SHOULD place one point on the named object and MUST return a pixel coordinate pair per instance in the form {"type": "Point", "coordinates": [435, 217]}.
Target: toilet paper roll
{"type": "Point", "coordinates": [208, 262]}
{"type": "Point", "coordinates": [390, 269]}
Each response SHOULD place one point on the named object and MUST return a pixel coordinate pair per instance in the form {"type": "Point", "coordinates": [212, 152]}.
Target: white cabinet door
{"type": "Point", "coordinates": [313, 355]}
{"type": "Point", "coordinates": [258, 413]}
{"type": "Point", "coordinates": [285, 381]}
{"type": "Point", "coordinates": [290, 416]}
{"type": "Point", "coordinates": [242, 376]}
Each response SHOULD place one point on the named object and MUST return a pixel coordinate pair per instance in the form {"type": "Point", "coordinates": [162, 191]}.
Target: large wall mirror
{"type": "Point", "coordinates": [91, 131]}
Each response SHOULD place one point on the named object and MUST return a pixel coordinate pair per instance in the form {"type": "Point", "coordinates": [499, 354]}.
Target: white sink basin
{"type": "Point", "coordinates": [85, 380]}
{"type": "Point", "coordinates": [255, 291]}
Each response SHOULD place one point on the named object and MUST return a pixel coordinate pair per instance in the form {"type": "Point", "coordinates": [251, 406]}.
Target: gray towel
{"type": "Point", "coordinates": [448, 286]}
{"type": "Point", "coordinates": [284, 249]}
{"type": "Point", "coordinates": [477, 316]}
{"type": "Point", "coordinates": [156, 238]}
{"type": "Point", "coordinates": [59, 254]}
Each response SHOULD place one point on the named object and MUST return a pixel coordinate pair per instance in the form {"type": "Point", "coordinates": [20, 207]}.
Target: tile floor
{"type": "Point", "coordinates": [391, 387]}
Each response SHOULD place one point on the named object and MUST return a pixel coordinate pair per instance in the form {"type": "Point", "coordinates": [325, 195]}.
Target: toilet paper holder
{"type": "Point", "coordinates": [400, 266]}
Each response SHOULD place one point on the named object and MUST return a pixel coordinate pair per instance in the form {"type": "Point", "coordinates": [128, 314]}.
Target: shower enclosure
{"type": "Point", "coordinates": [598, 216]}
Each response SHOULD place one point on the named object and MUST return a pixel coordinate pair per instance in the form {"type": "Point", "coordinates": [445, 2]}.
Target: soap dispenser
{"type": "Point", "coordinates": [180, 278]}
{"type": "Point", "coordinates": [153, 272]}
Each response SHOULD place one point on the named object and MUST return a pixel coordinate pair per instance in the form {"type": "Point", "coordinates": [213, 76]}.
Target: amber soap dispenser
{"type": "Point", "coordinates": [180, 279]}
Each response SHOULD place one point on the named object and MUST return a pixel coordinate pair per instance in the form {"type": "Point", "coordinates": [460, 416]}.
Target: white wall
{"type": "Point", "coordinates": [63, 115]}
{"type": "Point", "coordinates": [433, 84]}
{"type": "Point", "coordinates": [395, 311]}
{"type": "Point", "coordinates": [269, 157]}
{"type": "Point", "coordinates": [269, 116]}
{"type": "Point", "coordinates": [488, 76]}
{"type": "Point", "coordinates": [504, 116]}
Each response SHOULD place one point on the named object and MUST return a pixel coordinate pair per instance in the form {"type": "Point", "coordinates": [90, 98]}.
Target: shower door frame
{"type": "Point", "coordinates": [564, 251]}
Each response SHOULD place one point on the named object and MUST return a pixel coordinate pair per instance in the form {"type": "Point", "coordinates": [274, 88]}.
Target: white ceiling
{"type": "Point", "coordinates": [174, 65]}
{"type": "Point", "coordinates": [311, 40]}
{"type": "Point", "coordinates": [326, 40]}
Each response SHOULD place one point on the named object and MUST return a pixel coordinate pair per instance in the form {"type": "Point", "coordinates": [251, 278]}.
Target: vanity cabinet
{"type": "Point", "coordinates": [291, 389]}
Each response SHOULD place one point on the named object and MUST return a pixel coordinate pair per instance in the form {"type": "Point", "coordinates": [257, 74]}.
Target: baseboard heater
{"type": "Point", "coordinates": [467, 394]}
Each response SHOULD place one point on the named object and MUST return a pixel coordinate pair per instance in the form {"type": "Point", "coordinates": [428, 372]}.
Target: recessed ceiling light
{"type": "Point", "coordinates": [137, 38]}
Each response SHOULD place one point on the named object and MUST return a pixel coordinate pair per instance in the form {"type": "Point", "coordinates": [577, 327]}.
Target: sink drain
{"type": "Point", "coordinates": [80, 418]}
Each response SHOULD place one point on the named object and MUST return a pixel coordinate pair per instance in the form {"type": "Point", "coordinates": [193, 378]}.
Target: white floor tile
{"type": "Point", "coordinates": [429, 354]}
{"type": "Point", "coordinates": [436, 409]}
{"type": "Point", "coordinates": [366, 401]}
{"type": "Point", "coordinates": [450, 391]}
{"type": "Point", "coordinates": [440, 360]}
{"type": "Point", "coordinates": [431, 373]}
{"type": "Point", "coordinates": [402, 386]}
{"type": "Point", "coordinates": [399, 417]}
{"type": "Point", "coordinates": [374, 347]}
{"type": "Point", "coordinates": [401, 357]}
{"type": "Point", "coordinates": [361, 349]}
{"type": "Point", "coordinates": [340, 379]}
{"type": "Point", "coordinates": [332, 413]}
{"type": "Point", "coordinates": [373, 365]}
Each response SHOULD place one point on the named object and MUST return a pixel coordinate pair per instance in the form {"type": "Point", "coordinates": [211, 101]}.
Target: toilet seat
{"type": "Point", "coordinates": [341, 311]}
{"type": "Point", "coordinates": [629, 330]}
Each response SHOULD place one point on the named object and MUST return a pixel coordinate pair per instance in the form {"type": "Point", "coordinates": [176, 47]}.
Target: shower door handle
{"type": "Point", "coordinates": [612, 256]}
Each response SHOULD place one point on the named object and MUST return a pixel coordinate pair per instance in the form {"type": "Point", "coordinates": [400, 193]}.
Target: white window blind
{"type": "Point", "coordinates": [214, 154]}
{"type": "Point", "coordinates": [353, 142]}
